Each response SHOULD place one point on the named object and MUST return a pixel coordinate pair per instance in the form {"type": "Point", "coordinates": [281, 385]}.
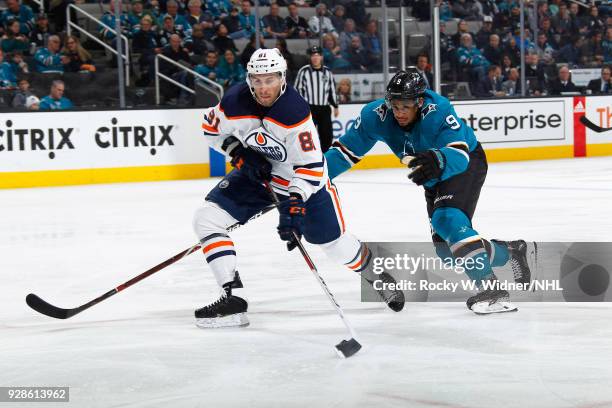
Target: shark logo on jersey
{"type": "Point", "coordinates": [265, 144]}
{"type": "Point", "coordinates": [381, 111]}
{"type": "Point", "coordinates": [357, 122]}
{"type": "Point", "coordinates": [432, 107]}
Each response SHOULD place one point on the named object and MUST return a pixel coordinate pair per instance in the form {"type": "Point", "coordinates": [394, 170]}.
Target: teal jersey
{"type": "Point", "coordinates": [438, 128]}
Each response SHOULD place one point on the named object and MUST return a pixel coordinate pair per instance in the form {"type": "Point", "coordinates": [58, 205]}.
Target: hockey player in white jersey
{"type": "Point", "coordinates": [266, 128]}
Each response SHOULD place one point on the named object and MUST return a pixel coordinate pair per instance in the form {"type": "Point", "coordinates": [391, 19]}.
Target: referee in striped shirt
{"type": "Point", "coordinates": [316, 84]}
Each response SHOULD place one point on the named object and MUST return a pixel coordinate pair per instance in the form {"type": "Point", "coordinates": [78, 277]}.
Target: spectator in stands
{"type": "Point", "coordinates": [373, 44]}
{"type": "Point", "coordinates": [514, 19]}
{"type": "Point", "coordinates": [572, 52]}
{"type": "Point", "coordinates": [344, 90]}
{"type": "Point", "coordinates": [234, 27]}
{"type": "Point", "coordinates": [534, 72]}
{"type": "Point", "coordinates": [462, 28]}
{"type": "Point", "coordinates": [219, 8]}
{"type": "Point", "coordinates": [491, 85]}
{"type": "Point", "coordinates": [493, 50]}
{"type": "Point", "coordinates": [579, 23]}
{"type": "Point", "coordinates": [447, 48]}
{"type": "Point", "coordinates": [147, 43]}
{"type": "Point", "coordinates": [542, 10]}
{"type": "Point", "coordinates": [22, 94]}
{"type": "Point", "coordinates": [177, 53]}
{"type": "Point", "coordinates": [13, 41]}
{"type": "Point", "coordinates": [32, 103]}
{"type": "Point", "coordinates": [195, 13]}
{"type": "Point", "coordinates": [563, 83]}
{"type": "Point", "coordinates": [338, 18]}
{"type": "Point", "coordinates": [320, 24]}
{"type": "Point", "coordinates": [512, 85]}
{"type": "Point", "coordinates": [273, 24]}
{"type": "Point", "coordinates": [471, 58]}
{"type": "Point", "coordinates": [181, 24]}
{"type": "Point", "coordinates": [594, 22]}
{"type": "Point", "coordinates": [487, 8]}
{"type": "Point", "coordinates": [606, 44]}
{"type": "Point", "coordinates": [358, 56]}
{"type": "Point", "coordinates": [544, 50]}
{"type": "Point", "coordinates": [167, 30]}
{"type": "Point", "coordinates": [221, 40]}
{"type": "Point", "coordinates": [465, 10]}
{"type": "Point", "coordinates": [506, 5]}
{"type": "Point", "coordinates": [49, 60]}
{"type": "Point", "coordinates": [347, 34]}
{"type": "Point", "coordinates": [108, 18]}
{"type": "Point", "coordinates": [20, 12]}
{"type": "Point", "coordinates": [564, 25]}
{"type": "Point", "coordinates": [506, 66]}
{"type": "Point", "coordinates": [137, 12]}
{"type": "Point", "coordinates": [602, 85]}
{"type": "Point", "coordinates": [281, 44]}
{"type": "Point", "coordinates": [424, 68]}
{"type": "Point", "coordinates": [8, 76]}
{"type": "Point", "coordinates": [56, 99]}
{"type": "Point", "coordinates": [210, 69]}
{"type": "Point", "coordinates": [40, 33]}
{"type": "Point", "coordinates": [483, 36]}
{"type": "Point", "coordinates": [230, 70]}
{"type": "Point", "coordinates": [296, 25]}
{"type": "Point", "coordinates": [547, 28]}
{"type": "Point", "coordinates": [199, 45]}
{"type": "Point", "coordinates": [196, 16]}
{"type": "Point", "coordinates": [592, 51]}
{"type": "Point", "coordinates": [332, 55]}
{"type": "Point", "coordinates": [79, 59]}
{"type": "Point", "coordinates": [250, 48]}
{"type": "Point", "coordinates": [247, 19]}
{"type": "Point", "coordinates": [513, 50]}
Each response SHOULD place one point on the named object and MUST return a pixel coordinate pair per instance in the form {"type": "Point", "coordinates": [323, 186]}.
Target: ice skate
{"type": "Point", "coordinates": [227, 311]}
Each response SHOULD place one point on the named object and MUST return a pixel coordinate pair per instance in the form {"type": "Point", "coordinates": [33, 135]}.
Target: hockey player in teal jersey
{"type": "Point", "coordinates": [444, 156]}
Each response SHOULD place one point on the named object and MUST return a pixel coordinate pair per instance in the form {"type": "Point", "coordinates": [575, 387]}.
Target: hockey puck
{"type": "Point", "coordinates": [347, 348]}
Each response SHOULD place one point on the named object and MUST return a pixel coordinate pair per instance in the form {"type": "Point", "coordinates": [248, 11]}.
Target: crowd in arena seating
{"type": "Point", "coordinates": [558, 36]}
{"type": "Point", "coordinates": [202, 34]}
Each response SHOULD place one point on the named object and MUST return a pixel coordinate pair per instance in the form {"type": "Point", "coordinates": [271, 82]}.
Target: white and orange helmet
{"type": "Point", "coordinates": [267, 61]}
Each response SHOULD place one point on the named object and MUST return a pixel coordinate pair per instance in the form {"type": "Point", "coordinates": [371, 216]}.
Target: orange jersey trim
{"type": "Point", "coordinates": [287, 126]}
{"type": "Point", "coordinates": [209, 128]}
{"type": "Point", "coordinates": [280, 181]}
{"type": "Point", "coordinates": [337, 202]}
{"type": "Point", "coordinates": [309, 172]}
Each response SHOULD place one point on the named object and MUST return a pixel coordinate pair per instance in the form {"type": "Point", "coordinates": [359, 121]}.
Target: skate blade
{"type": "Point", "coordinates": [502, 306]}
{"type": "Point", "coordinates": [235, 320]}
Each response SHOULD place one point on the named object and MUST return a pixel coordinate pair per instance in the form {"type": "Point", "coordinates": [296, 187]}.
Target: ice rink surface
{"type": "Point", "coordinates": [141, 348]}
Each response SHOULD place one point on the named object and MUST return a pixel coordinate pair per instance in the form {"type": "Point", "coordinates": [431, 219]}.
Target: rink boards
{"type": "Point", "coordinates": [68, 148]}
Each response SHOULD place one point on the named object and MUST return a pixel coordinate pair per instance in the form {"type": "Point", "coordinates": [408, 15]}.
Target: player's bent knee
{"type": "Point", "coordinates": [210, 219]}
{"type": "Point", "coordinates": [446, 220]}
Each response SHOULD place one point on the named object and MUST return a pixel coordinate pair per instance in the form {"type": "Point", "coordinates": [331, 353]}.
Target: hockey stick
{"type": "Point", "coordinates": [592, 126]}
{"type": "Point", "coordinates": [43, 307]}
{"type": "Point", "coordinates": [345, 348]}
{"type": "Point", "coordinates": [48, 309]}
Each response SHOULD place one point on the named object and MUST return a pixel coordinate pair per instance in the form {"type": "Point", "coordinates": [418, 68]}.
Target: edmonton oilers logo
{"type": "Point", "coordinates": [265, 144]}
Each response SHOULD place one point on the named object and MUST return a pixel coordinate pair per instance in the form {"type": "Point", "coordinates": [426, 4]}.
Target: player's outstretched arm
{"type": "Point", "coordinates": [351, 147]}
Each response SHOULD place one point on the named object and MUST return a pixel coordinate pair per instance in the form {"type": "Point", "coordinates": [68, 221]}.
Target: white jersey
{"type": "Point", "coordinates": [283, 133]}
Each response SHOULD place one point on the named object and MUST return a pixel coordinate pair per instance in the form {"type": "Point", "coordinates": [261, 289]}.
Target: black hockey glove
{"type": "Point", "coordinates": [292, 212]}
{"type": "Point", "coordinates": [426, 166]}
{"type": "Point", "coordinates": [252, 164]}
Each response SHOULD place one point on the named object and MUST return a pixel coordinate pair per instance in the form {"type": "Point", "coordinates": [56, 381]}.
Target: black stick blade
{"type": "Point", "coordinates": [347, 348]}
{"type": "Point", "coordinates": [48, 309]}
{"type": "Point", "coordinates": [586, 122]}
